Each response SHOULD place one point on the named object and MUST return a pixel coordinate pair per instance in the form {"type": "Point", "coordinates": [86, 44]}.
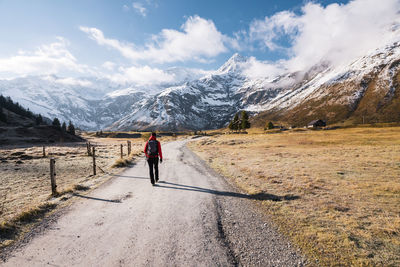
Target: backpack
{"type": "Point", "coordinates": [152, 148]}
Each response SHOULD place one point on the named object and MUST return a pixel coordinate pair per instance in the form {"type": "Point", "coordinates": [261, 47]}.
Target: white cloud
{"type": "Point", "coordinates": [148, 76]}
{"type": "Point", "coordinates": [141, 76]}
{"type": "Point", "coordinates": [270, 30]}
{"type": "Point", "coordinates": [68, 81]}
{"type": "Point", "coordinates": [139, 8]}
{"type": "Point", "coordinates": [126, 49]}
{"type": "Point", "coordinates": [337, 33]}
{"type": "Point", "coordinates": [198, 40]}
{"type": "Point", "coordinates": [258, 69]}
{"type": "Point", "coordinates": [108, 65]}
{"type": "Point", "coordinates": [74, 82]}
{"type": "Point", "coordinates": [46, 59]}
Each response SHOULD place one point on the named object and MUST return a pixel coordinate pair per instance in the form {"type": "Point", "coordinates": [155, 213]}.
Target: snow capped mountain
{"type": "Point", "coordinates": [234, 64]}
{"type": "Point", "coordinates": [368, 87]}
{"type": "Point", "coordinates": [90, 102]}
{"type": "Point", "coordinates": [331, 92]}
{"type": "Point", "coordinates": [51, 96]}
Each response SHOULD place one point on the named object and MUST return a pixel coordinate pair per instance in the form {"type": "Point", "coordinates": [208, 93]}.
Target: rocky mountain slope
{"type": "Point", "coordinates": [367, 90]}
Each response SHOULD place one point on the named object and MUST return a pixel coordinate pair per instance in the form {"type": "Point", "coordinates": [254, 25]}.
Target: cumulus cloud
{"type": "Point", "coordinates": [126, 49]}
{"type": "Point", "coordinates": [108, 65]}
{"type": "Point", "coordinates": [74, 82]}
{"type": "Point", "coordinates": [337, 33]}
{"type": "Point", "coordinates": [254, 68]}
{"type": "Point", "coordinates": [140, 76]}
{"type": "Point", "coordinates": [272, 29]}
{"type": "Point", "coordinates": [148, 76]}
{"type": "Point", "coordinates": [139, 8]}
{"type": "Point", "coordinates": [68, 81]}
{"type": "Point", "coordinates": [46, 59]}
{"type": "Point", "coordinates": [197, 40]}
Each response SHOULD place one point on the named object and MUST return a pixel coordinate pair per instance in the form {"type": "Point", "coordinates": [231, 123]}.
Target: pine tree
{"type": "Point", "coordinates": [230, 126]}
{"type": "Point", "coordinates": [71, 128]}
{"type": "Point", "coordinates": [64, 127]}
{"type": "Point", "coordinates": [269, 126]}
{"type": "Point", "coordinates": [235, 122]}
{"type": "Point", "coordinates": [3, 116]}
{"type": "Point", "coordinates": [39, 119]}
{"type": "Point", "coordinates": [245, 124]}
{"type": "Point", "coordinates": [2, 101]}
{"type": "Point", "coordinates": [56, 123]}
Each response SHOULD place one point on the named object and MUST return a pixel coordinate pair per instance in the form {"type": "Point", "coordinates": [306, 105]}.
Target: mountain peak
{"type": "Point", "coordinates": [233, 63]}
{"type": "Point", "coordinates": [237, 58]}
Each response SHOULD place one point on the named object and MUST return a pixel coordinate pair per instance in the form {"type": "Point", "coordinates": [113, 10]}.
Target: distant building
{"type": "Point", "coordinates": [316, 124]}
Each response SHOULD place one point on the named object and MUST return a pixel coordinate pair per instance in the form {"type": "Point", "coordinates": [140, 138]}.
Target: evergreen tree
{"type": "Point", "coordinates": [39, 120]}
{"type": "Point", "coordinates": [245, 124]}
{"type": "Point", "coordinates": [8, 104]}
{"type": "Point", "coordinates": [270, 125]}
{"type": "Point", "coordinates": [64, 127]}
{"type": "Point", "coordinates": [3, 116]}
{"type": "Point", "coordinates": [2, 101]}
{"type": "Point", "coordinates": [56, 123]}
{"type": "Point", "coordinates": [71, 128]}
{"type": "Point", "coordinates": [230, 126]}
{"type": "Point", "coordinates": [235, 122]}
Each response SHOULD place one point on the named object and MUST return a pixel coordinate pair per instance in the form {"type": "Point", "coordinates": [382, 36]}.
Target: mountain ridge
{"type": "Point", "coordinates": [367, 87]}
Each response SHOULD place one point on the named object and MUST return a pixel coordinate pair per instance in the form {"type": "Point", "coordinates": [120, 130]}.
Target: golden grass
{"type": "Point", "coordinates": [345, 183]}
{"type": "Point", "coordinates": [9, 230]}
{"type": "Point", "coordinates": [120, 163]}
{"type": "Point", "coordinates": [25, 180]}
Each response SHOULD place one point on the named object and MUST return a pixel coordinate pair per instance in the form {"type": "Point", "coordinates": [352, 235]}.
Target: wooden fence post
{"type": "Point", "coordinates": [129, 148]}
{"type": "Point", "coordinates": [88, 148]}
{"type": "Point", "coordinates": [94, 160]}
{"type": "Point", "coordinates": [44, 151]}
{"type": "Point", "coordinates": [52, 176]}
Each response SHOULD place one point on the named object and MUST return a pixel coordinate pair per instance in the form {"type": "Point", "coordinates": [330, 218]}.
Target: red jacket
{"type": "Point", "coordinates": [159, 148]}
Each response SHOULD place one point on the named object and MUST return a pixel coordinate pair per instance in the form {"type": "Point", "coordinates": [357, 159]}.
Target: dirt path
{"type": "Point", "coordinates": [191, 218]}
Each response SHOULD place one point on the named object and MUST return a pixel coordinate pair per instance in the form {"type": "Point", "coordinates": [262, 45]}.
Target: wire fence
{"type": "Point", "coordinates": [26, 172]}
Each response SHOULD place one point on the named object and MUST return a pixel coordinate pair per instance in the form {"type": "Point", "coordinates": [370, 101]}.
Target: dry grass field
{"type": "Point", "coordinates": [335, 193]}
{"type": "Point", "coordinates": [25, 182]}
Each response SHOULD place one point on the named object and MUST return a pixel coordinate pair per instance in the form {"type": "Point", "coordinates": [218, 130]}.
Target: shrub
{"type": "Point", "coordinates": [269, 126]}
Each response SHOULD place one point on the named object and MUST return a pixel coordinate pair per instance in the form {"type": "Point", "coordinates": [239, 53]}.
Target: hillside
{"type": "Point", "coordinates": [367, 91]}
{"type": "Point", "coordinates": [18, 125]}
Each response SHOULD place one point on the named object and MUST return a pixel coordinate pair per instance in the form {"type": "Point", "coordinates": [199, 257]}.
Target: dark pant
{"type": "Point", "coordinates": [153, 163]}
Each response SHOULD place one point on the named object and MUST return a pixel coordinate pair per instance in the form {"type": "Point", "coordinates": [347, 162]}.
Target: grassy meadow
{"type": "Point", "coordinates": [25, 191]}
{"type": "Point", "coordinates": [335, 193]}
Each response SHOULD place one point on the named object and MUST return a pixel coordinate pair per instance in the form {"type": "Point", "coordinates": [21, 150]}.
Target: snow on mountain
{"type": "Point", "coordinates": [67, 99]}
{"type": "Point", "coordinates": [211, 101]}
{"type": "Point", "coordinates": [204, 100]}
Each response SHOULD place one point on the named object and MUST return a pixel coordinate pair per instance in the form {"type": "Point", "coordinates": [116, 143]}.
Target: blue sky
{"type": "Point", "coordinates": [88, 37]}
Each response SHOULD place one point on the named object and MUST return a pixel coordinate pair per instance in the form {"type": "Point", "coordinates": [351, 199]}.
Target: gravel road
{"type": "Point", "coordinates": [192, 217]}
